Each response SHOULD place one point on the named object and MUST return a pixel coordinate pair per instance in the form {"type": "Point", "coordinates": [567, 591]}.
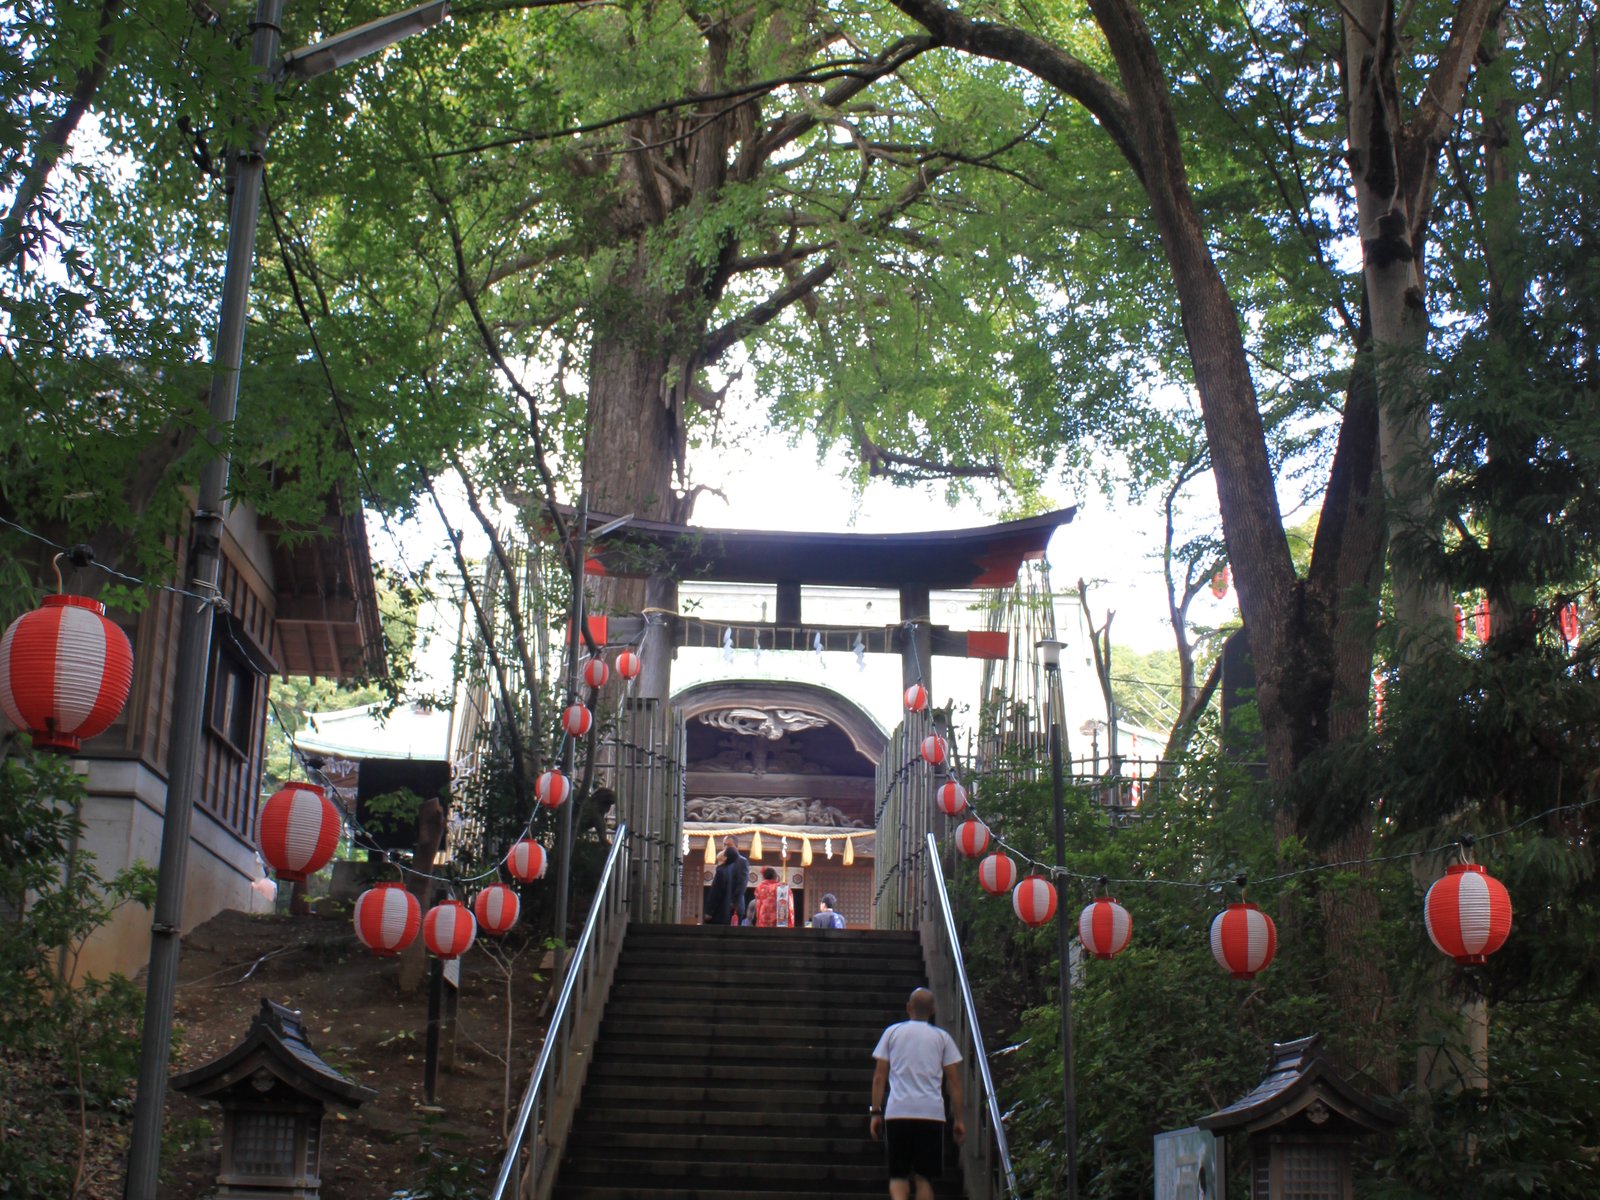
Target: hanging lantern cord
{"type": "Point", "coordinates": [1464, 848]}
{"type": "Point", "coordinates": [1103, 885]}
{"type": "Point", "coordinates": [1242, 882]}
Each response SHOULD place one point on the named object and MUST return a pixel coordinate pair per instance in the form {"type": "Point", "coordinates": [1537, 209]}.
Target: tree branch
{"type": "Point", "coordinates": [1068, 74]}
{"type": "Point", "coordinates": [53, 144]}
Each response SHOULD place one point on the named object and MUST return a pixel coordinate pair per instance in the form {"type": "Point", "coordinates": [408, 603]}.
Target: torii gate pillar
{"type": "Point", "coordinates": [657, 648]}
{"type": "Point", "coordinates": [916, 645]}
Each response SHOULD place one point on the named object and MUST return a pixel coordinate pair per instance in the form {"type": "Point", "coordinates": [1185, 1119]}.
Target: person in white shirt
{"type": "Point", "coordinates": [913, 1059]}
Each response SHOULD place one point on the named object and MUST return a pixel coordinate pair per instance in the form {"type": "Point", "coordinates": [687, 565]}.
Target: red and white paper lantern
{"type": "Point", "coordinates": [65, 671]}
{"type": "Point", "coordinates": [916, 698]}
{"type": "Point", "coordinates": [1468, 913]}
{"type": "Point", "coordinates": [1034, 900]}
{"type": "Point", "coordinates": [387, 918]}
{"type": "Point", "coordinates": [934, 749]}
{"type": "Point", "coordinates": [576, 719]}
{"type": "Point", "coordinates": [951, 797]}
{"type": "Point", "coordinates": [448, 929]}
{"type": "Point", "coordinates": [972, 838]}
{"type": "Point", "coordinates": [1220, 581]}
{"type": "Point", "coordinates": [496, 909]}
{"type": "Point", "coordinates": [553, 788]}
{"type": "Point", "coordinates": [628, 665]}
{"type": "Point", "coordinates": [1243, 940]}
{"type": "Point", "coordinates": [997, 874]}
{"type": "Point", "coordinates": [595, 672]}
{"type": "Point", "coordinates": [527, 861]}
{"type": "Point", "coordinates": [1569, 622]}
{"type": "Point", "coordinates": [299, 830]}
{"type": "Point", "coordinates": [1104, 927]}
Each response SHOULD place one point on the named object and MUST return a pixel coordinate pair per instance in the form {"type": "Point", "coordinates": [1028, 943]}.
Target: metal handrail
{"type": "Point", "coordinates": [937, 896]}
{"type": "Point", "coordinates": [583, 971]}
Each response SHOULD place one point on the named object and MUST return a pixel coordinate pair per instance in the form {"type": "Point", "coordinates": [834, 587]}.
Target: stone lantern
{"type": "Point", "coordinates": [1300, 1123]}
{"type": "Point", "coordinates": [273, 1089]}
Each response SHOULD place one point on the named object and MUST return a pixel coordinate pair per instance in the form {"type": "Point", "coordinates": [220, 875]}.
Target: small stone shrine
{"type": "Point", "coordinates": [273, 1089]}
{"type": "Point", "coordinates": [1300, 1123]}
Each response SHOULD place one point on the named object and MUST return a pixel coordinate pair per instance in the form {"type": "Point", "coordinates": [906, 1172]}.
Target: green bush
{"type": "Point", "coordinates": [68, 1046]}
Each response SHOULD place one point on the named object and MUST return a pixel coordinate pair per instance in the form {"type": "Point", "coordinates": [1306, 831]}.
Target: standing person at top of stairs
{"type": "Point", "coordinates": [720, 901]}
{"type": "Point", "coordinates": [827, 916]}
{"type": "Point", "coordinates": [738, 877]}
{"type": "Point", "coordinates": [774, 902]}
{"type": "Point", "coordinates": [912, 1059]}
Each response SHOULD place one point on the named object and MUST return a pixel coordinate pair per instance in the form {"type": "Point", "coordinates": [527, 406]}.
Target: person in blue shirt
{"type": "Point", "coordinates": [827, 918]}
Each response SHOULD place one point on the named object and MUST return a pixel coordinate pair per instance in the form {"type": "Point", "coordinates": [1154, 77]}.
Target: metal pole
{"type": "Point", "coordinates": [564, 834]}
{"type": "Point", "coordinates": [194, 644]}
{"type": "Point", "coordinates": [1063, 946]}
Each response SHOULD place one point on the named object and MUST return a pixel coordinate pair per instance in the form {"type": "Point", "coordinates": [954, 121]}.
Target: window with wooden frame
{"type": "Point", "coordinates": [231, 702]}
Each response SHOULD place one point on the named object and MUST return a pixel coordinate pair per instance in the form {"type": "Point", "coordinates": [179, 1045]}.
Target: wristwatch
{"type": "Point", "coordinates": [875, 1110]}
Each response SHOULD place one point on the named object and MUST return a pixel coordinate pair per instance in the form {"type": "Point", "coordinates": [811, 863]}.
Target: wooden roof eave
{"type": "Point", "coordinates": [982, 557]}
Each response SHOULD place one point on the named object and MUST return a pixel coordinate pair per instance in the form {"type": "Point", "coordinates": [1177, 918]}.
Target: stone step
{"type": "Point", "coordinates": [790, 1074]}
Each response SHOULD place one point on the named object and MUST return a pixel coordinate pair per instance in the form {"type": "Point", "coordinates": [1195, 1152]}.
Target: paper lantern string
{"type": "Point", "coordinates": [72, 554]}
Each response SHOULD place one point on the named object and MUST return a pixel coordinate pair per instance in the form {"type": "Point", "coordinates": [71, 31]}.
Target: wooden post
{"type": "Point", "coordinates": [916, 646]}
{"type": "Point", "coordinates": [430, 1058]}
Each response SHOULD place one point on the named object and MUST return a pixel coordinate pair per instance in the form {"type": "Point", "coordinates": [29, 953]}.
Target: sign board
{"type": "Point", "coordinates": [1189, 1166]}
{"type": "Point", "coordinates": [452, 972]}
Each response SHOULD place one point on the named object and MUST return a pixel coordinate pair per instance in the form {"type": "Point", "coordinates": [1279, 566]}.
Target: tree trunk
{"type": "Point", "coordinates": [1393, 165]}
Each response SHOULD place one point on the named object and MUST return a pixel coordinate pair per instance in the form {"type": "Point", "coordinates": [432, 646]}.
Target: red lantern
{"type": "Point", "coordinates": [496, 908]}
{"type": "Point", "coordinates": [448, 929]}
{"type": "Point", "coordinates": [1104, 927]}
{"type": "Point", "coordinates": [553, 789]}
{"type": "Point", "coordinates": [1377, 700]}
{"type": "Point", "coordinates": [527, 861]}
{"type": "Point", "coordinates": [387, 918]}
{"type": "Point", "coordinates": [996, 874]}
{"type": "Point", "coordinates": [1243, 940]}
{"type": "Point", "coordinates": [1468, 913]}
{"type": "Point", "coordinates": [916, 698]}
{"type": "Point", "coordinates": [576, 719]}
{"type": "Point", "coordinates": [628, 665]}
{"type": "Point", "coordinates": [1219, 582]}
{"type": "Point", "coordinates": [934, 749]}
{"type": "Point", "coordinates": [972, 838]}
{"type": "Point", "coordinates": [1034, 901]}
{"type": "Point", "coordinates": [299, 830]}
{"type": "Point", "coordinates": [64, 672]}
{"type": "Point", "coordinates": [1569, 622]}
{"type": "Point", "coordinates": [1481, 620]}
{"type": "Point", "coordinates": [595, 672]}
{"type": "Point", "coordinates": [952, 798]}
{"type": "Point", "coordinates": [1461, 624]}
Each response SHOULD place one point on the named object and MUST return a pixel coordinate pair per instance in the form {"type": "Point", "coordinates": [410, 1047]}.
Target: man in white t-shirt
{"type": "Point", "coordinates": [913, 1059]}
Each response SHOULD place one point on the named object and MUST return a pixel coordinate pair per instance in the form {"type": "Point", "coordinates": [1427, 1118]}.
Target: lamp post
{"type": "Point", "coordinates": [1050, 658]}
{"type": "Point", "coordinates": [205, 560]}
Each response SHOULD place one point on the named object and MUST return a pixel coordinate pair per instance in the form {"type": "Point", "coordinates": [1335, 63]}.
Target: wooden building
{"type": "Point", "coordinates": [293, 606]}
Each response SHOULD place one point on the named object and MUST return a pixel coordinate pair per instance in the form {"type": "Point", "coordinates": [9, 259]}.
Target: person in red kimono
{"type": "Point", "coordinates": [774, 902]}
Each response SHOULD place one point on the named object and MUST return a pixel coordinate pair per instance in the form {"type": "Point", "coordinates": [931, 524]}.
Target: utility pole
{"type": "Point", "coordinates": [1050, 658]}
{"type": "Point", "coordinates": [205, 561]}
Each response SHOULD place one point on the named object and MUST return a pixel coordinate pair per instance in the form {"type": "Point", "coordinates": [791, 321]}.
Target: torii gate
{"type": "Point", "coordinates": [912, 564]}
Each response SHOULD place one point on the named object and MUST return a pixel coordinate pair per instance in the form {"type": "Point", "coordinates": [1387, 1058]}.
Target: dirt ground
{"type": "Point", "coordinates": [357, 1019]}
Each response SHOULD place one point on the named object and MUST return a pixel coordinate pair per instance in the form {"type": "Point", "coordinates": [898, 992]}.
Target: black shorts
{"type": "Point", "coordinates": [915, 1148]}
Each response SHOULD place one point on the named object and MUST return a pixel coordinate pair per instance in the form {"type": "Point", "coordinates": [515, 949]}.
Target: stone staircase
{"type": "Point", "coordinates": [736, 1064]}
